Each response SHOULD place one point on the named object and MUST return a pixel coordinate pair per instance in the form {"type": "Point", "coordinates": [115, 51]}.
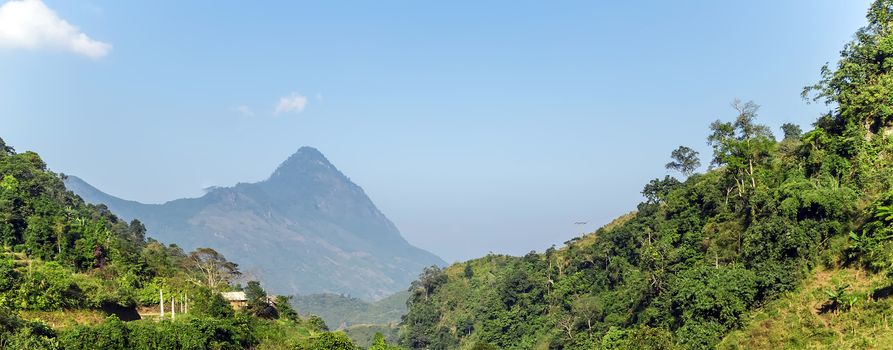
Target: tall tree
{"type": "Point", "coordinates": [741, 145]}
{"type": "Point", "coordinates": [791, 131]}
{"type": "Point", "coordinates": [283, 305]}
{"type": "Point", "coordinates": [861, 87]}
{"type": "Point", "coordinates": [685, 160]}
{"type": "Point", "coordinates": [258, 303]}
{"type": "Point", "coordinates": [657, 190]}
{"type": "Point", "coordinates": [430, 278]}
{"type": "Point", "coordinates": [210, 268]}
{"type": "Point", "coordinates": [4, 149]}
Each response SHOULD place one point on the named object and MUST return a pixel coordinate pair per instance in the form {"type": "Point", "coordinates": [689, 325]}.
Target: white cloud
{"type": "Point", "coordinates": [292, 103]}
{"type": "Point", "coordinates": [245, 111]}
{"type": "Point", "coordinates": [30, 24]}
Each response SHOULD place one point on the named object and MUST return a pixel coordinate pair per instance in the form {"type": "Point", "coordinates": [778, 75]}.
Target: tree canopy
{"type": "Point", "coordinates": [685, 160]}
{"type": "Point", "coordinates": [698, 255]}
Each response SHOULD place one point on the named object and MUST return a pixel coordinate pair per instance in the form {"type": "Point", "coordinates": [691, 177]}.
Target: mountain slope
{"type": "Point", "coordinates": [306, 229]}
{"type": "Point", "coordinates": [802, 319]}
{"type": "Point", "coordinates": [703, 256]}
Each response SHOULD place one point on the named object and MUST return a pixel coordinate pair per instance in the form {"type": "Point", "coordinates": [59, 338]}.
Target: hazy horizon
{"type": "Point", "coordinates": [485, 136]}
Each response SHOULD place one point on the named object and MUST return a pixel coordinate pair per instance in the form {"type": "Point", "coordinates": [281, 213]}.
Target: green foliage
{"type": "Point", "coordinates": [687, 269]}
{"type": "Point", "coordinates": [211, 268]}
{"type": "Point", "coordinates": [839, 299]}
{"type": "Point", "coordinates": [196, 333]}
{"type": "Point", "coordinates": [283, 306]}
{"type": "Point", "coordinates": [860, 85]}
{"type": "Point", "coordinates": [258, 304]}
{"type": "Point", "coordinates": [345, 311]}
{"type": "Point", "coordinates": [657, 190]}
{"type": "Point", "coordinates": [47, 287]}
{"type": "Point", "coordinates": [210, 304]}
{"type": "Point", "coordinates": [741, 147]}
{"type": "Point", "coordinates": [238, 332]}
{"type": "Point", "coordinates": [379, 343]}
{"type": "Point", "coordinates": [685, 160]}
{"type": "Point", "coordinates": [468, 272]}
{"type": "Point", "coordinates": [717, 294]}
{"type": "Point", "coordinates": [802, 320]}
{"type": "Point", "coordinates": [111, 335]}
{"type": "Point", "coordinates": [5, 149]}
{"type": "Point", "coordinates": [61, 253]}
{"type": "Point", "coordinates": [16, 333]}
{"type": "Point", "coordinates": [698, 256]}
{"type": "Point", "coordinates": [329, 341]}
{"type": "Point", "coordinates": [316, 323]}
{"type": "Point", "coordinates": [791, 131]}
{"type": "Point", "coordinates": [483, 346]}
{"type": "Point", "coordinates": [58, 253]}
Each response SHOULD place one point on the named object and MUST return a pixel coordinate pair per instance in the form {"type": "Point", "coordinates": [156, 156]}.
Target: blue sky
{"type": "Point", "coordinates": [475, 126]}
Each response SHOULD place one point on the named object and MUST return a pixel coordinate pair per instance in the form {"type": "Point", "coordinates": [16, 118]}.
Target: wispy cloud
{"type": "Point", "coordinates": [245, 111]}
{"type": "Point", "coordinates": [30, 24]}
{"type": "Point", "coordinates": [294, 103]}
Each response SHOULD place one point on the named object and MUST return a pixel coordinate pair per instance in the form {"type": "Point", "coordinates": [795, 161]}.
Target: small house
{"type": "Point", "coordinates": [236, 300]}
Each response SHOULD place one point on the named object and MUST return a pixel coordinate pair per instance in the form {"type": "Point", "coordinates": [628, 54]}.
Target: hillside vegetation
{"type": "Point", "coordinates": [360, 320]}
{"type": "Point", "coordinates": [341, 311]}
{"type": "Point", "coordinates": [703, 256]}
{"type": "Point", "coordinates": [805, 318]}
{"type": "Point", "coordinates": [73, 276]}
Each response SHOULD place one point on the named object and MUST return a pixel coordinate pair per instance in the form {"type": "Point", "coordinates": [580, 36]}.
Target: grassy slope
{"type": "Point", "coordinates": [61, 319]}
{"type": "Point", "coordinates": [590, 238]}
{"type": "Point", "coordinates": [796, 321]}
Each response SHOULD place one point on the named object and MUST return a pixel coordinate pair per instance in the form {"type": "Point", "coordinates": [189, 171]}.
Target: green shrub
{"type": "Point", "coordinates": [329, 341]}
{"type": "Point", "coordinates": [210, 304]}
{"type": "Point", "coordinates": [109, 335]}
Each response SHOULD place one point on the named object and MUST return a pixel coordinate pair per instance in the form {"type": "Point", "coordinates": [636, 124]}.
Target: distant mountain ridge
{"type": "Point", "coordinates": [305, 229]}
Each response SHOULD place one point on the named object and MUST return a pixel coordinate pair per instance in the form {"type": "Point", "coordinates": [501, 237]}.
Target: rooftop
{"type": "Point", "coordinates": [234, 296]}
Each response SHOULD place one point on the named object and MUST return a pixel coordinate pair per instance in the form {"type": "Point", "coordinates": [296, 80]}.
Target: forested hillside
{"type": "Point", "coordinates": [74, 276]}
{"type": "Point", "coordinates": [705, 251]}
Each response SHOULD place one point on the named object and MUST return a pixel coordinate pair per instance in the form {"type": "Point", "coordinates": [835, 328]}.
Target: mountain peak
{"type": "Point", "coordinates": [309, 152]}
{"type": "Point", "coordinates": [305, 160]}
{"type": "Point", "coordinates": [309, 228]}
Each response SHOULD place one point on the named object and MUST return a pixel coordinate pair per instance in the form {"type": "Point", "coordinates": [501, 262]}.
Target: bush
{"type": "Point", "coordinates": [316, 323]}
{"type": "Point", "coordinates": [210, 304]}
{"type": "Point", "coordinates": [48, 287]}
{"type": "Point", "coordinates": [329, 341]}
{"type": "Point", "coordinates": [16, 333]}
{"type": "Point", "coordinates": [192, 334]}
{"type": "Point", "coordinates": [109, 335]}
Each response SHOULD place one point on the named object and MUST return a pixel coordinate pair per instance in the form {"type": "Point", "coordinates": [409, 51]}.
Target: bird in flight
{"type": "Point", "coordinates": [580, 223]}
